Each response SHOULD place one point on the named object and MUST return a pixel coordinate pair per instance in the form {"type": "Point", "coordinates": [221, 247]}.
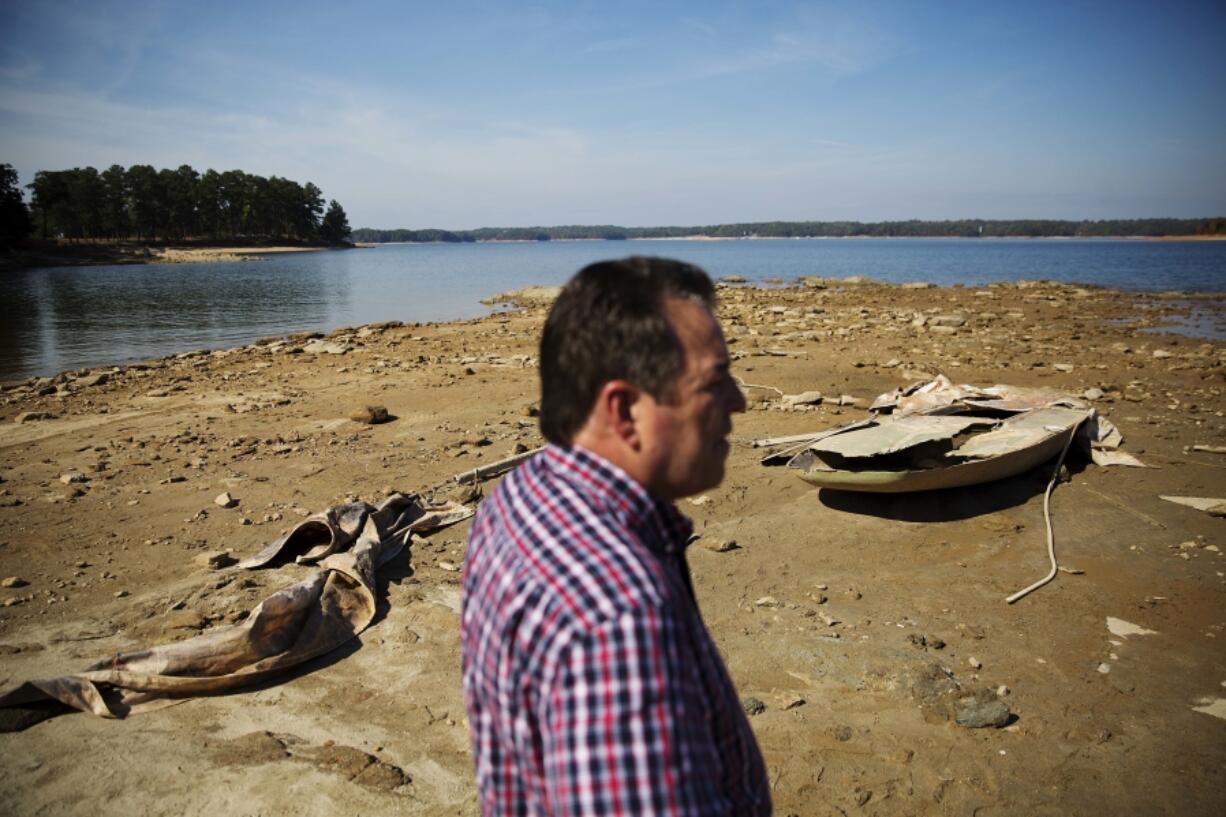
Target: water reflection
{"type": "Point", "coordinates": [74, 317]}
{"type": "Point", "coordinates": [57, 319]}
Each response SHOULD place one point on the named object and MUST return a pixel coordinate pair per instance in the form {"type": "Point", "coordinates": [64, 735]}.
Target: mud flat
{"type": "Point", "coordinates": [871, 633]}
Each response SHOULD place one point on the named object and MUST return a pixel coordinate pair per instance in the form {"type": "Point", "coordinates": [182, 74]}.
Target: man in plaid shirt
{"type": "Point", "coordinates": [592, 685]}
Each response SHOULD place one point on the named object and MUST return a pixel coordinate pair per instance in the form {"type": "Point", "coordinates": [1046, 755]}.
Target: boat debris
{"type": "Point", "coordinates": [936, 434]}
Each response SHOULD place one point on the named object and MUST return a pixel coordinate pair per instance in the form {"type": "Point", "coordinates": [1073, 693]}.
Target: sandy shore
{"type": "Point", "coordinates": [174, 255]}
{"type": "Point", "coordinates": [845, 616]}
{"type": "Point", "coordinates": [43, 253]}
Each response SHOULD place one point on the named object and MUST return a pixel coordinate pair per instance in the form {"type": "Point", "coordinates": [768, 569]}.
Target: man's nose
{"type": "Point", "coordinates": [736, 398]}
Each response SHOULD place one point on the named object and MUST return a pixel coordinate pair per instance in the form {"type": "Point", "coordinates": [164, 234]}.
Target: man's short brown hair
{"type": "Point", "coordinates": [609, 324]}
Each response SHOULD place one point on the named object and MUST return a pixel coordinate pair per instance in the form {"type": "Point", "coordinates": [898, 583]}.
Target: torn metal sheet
{"type": "Point", "coordinates": [892, 435]}
{"type": "Point", "coordinates": [1108, 458]}
{"type": "Point", "coordinates": [1023, 431]}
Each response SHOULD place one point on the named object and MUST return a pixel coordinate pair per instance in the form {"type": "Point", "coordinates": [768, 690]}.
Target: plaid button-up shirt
{"type": "Point", "coordinates": [592, 685]}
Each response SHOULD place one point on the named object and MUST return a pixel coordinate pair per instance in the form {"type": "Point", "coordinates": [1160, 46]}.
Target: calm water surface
{"type": "Point", "coordinates": [74, 317]}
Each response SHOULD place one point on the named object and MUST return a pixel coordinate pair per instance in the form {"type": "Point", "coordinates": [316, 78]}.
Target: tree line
{"type": "Point", "coordinates": [146, 204]}
{"type": "Point", "coordinates": [962, 228]}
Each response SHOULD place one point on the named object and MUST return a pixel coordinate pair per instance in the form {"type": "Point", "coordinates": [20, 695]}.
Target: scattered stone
{"type": "Point", "coordinates": [842, 733]}
{"type": "Point", "coordinates": [73, 477]}
{"type": "Point", "coordinates": [93, 380]}
{"type": "Point", "coordinates": [805, 398]}
{"type": "Point", "coordinates": [370, 415]}
{"type": "Point", "coordinates": [1162, 354]}
{"type": "Point", "coordinates": [224, 500]}
{"type": "Point", "coordinates": [974, 712]}
{"type": "Point", "coordinates": [951, 320]}
{"type": "Point", "coordinates": [1093, 393]}
{"type": "Point", "coordinates": [13, 581]}
{"type": "Point", "coordinates": [918, 285]}
{"type": "Point", "coordinates": [974, 663]}
{"type": "Point", "coordinates": [767, 601]}
{"type": "Point", "coordinates": [214, 559]}
{"type": "Point", "coordinates": [183, 620]}
{"type": "Point", "coordinates": [120, 594]}
{"type": "Point", "coordinates": [320, 347]}
{"type": "Point", "coordinates": [33, 416]}
{"type": "Point", "coordinates": [718, 545]}
{"type": "Point", "coordinates": [926, 641]}
{"type": "Point", "coordinates": [752, 706]}
{"type": "Point", "coordinates": [450, 567]}
{"type": "Point", "coordinates": [1062, 367]}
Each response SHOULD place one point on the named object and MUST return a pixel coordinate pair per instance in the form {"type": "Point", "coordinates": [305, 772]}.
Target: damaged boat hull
{"type": "Point", "coordinates": [932, 479]}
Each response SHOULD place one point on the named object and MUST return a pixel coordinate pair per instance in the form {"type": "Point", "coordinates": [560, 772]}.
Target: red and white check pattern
{"type": "Point", "coordinates": [592, 685]}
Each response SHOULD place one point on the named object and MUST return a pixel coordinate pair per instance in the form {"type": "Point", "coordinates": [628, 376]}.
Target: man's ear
{"type": "Point", "coordinates": [616, 404]}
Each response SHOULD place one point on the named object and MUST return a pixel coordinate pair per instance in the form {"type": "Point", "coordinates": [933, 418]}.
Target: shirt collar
{"type": "Point", "coordinates": [658, 521]}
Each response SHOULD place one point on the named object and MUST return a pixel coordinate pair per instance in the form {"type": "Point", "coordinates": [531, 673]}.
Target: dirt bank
{"type": "Point", "coordinates": [849, 619]}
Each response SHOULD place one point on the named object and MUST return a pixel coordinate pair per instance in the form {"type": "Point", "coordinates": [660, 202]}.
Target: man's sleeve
{"type": "Point", "coordinates": [625, 729]}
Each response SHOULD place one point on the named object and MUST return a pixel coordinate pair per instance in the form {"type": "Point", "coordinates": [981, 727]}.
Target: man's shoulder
{"type": "Point", "coordinates": [564, 541]}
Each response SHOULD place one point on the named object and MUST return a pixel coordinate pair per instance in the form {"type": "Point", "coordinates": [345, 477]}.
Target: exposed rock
{"type": "Point", "coordinates": [214, 559]}
{"type": "Point", "coordinates": [13, 581]}
{"type": "Point", "coordinates": [370, 415]}
{"type": "Point", "coordinates": [805, 398]}
{"type": "Point", "coordinates": [752, 706]}
{"type": "Point", "coordinates": [320, 347]}
{"type": "Point", "coordinates": [183, 620]}
{"type": "Point", "coordinates": [224, 500]}
{"type": "Point", "coordinates": [975, 713]}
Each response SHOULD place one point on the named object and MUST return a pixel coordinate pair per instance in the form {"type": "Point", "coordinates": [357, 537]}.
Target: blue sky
{"type": "Point", "coordinates": [515, 114]}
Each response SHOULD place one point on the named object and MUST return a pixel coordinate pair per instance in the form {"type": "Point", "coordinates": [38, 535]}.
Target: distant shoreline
{"type": "Point", "coordinates": [73, 254]}
{"type": "Point", "coordinates": [372, 244]}
{"type": "Point", "coordinates": [52, 253]}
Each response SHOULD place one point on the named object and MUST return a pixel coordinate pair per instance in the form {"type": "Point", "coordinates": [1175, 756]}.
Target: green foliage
{"type": "Point", "coordinates": [15, 222]}
{"type": "Point", "coordinates": [335, 226]}
{"type": "Point", "coordinates": [146, 203]}
{"type": "Point", "coordinates": [965, 228]}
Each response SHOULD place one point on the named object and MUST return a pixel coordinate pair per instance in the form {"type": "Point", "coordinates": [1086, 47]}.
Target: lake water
{"type": "Point", "coordinates": [74, 317]}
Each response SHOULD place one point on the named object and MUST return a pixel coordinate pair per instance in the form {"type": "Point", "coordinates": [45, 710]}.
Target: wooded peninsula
{"type": "Point", "coordinates": [963, 228]}
{"type": "Point", "coordinates": [148, 205]}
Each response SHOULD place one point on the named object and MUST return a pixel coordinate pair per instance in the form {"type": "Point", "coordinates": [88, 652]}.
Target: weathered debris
{"type": "Point", "coordinates": [327, 608]}
{"type": "Point", "coordinates": [940, 435]}
{"type": "Point", "coordinates": [493, 469]}
{"type": "Point", "coordinates": [1122, 629]}
{"type": "Point", "coordinates": [1214, 506]}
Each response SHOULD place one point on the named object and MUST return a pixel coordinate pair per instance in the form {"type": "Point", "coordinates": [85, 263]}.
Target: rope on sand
{"type": "Point", "coordinates": [1051, 540]}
